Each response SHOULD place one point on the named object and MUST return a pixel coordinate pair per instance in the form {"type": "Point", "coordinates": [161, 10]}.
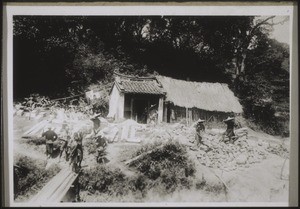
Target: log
{"type": "Point", "coordinates": [225, 185]}
{"type": "Point", "coordinates": [44, 122]}
{"type": "Point", "coordinates": [69, 97]}
{"type": "Point", "coordinates": [142, 155]}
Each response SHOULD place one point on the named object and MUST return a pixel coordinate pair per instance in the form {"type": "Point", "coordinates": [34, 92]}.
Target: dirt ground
{"type": "Point", "coordinates": [266, 181]}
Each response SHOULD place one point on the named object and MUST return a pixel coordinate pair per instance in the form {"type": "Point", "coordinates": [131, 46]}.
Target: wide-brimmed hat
{"type": "Point", "coordinates": [228, 119]}
{"type": "Point", "coordinates": [200, 120]}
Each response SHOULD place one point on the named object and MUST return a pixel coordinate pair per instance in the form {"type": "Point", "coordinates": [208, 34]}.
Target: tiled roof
{"type": "Point", "coordinates": [140, 86]}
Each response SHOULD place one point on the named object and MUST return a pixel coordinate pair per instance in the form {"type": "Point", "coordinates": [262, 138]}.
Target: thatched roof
{"type": "Point", "coordinates": [206, 96]}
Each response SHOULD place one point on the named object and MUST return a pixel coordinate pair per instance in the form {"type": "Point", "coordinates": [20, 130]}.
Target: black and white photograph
{"type": "Point", "coordinates": [161, 107]}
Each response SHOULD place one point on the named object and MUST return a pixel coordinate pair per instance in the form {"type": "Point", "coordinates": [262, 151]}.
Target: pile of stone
{"type": "Point", "coordinates": [36, 113]}
{"type": "Point", "coordinates": [175, 131]}
{"type": "Point", "coordinates": [213, 153]}
{"type": "Point", "coordinates": [278, 149]}
{"type": "Point", "coordinates": [229, 156]}
{"type": "Point", "coordinates": [37, 107]}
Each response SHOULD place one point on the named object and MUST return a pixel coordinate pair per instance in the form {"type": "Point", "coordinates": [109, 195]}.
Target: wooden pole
{"type": "Point", "coordinates": [186, 115]}
{"type": "Point", "coordinates": [160, 109]}
{"type": "Point", "coordinates": [67, 97]}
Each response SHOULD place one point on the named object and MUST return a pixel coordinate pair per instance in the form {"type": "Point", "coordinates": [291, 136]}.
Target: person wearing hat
{"type": "Point", "coordinates": [152, 116]}
{"type": "Point", "coordinates": [230, 128]}
{"type": "Point", "coordinates": [76, 154]}
{"type": "Point", "coordinates": [65, 138]}
{"type": "Point", "coordinates": [96, 122]}
{"type": "Point", "coordinates": [200, 128]}
{"type": "Point", "coordinates": [50, 137]}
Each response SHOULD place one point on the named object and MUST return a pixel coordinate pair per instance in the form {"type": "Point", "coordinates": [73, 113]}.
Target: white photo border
{"type": "Point", "coordinates": [93, 10]}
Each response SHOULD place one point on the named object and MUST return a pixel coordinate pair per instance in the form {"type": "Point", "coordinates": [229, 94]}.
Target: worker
{"type": "Point", "coordinates": [152, 116]}
{"type": "Point", "coordinates": [66, 137]}
{"type": "Point", "coordinates": [50, 137]}
{"type": "Point", "coordinates": [230, 129]}
{"type": "Point", "coordinates": [101, 154]}
{"type": "Point", "coordinates": [101, 143]}
{"type": "Point", "coordinates": [200, 129]}
{"type": "Point", "coordinates": [96, 122]}
{"type": "Point", "coordinates": [77, 151]}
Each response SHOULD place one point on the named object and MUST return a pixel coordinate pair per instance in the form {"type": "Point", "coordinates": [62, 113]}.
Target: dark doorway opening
{"type": "Point", "coordinates": [140, 110]}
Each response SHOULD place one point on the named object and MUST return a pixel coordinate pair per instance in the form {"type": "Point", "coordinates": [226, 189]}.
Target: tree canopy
{"type": "Point", "coordinates": [59, 55]}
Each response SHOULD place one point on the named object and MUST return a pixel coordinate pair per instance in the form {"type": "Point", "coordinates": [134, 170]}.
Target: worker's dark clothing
{"type": "Point", "coordinates": [50, 136]}
{"type": "Point", "coordinates": [101, 141]}
{"type": "Point", "coordinates": [200, 128]}
{"type": "Point", "coordinates": [97, 123]}
{"type": "Point", "coordinates": [77, 151]}
{"type": "Point", "coordinates": [76, 155]}
{"type": "Point", "coordinates": [64, 147]}
{"type": "Point", "coordinates": [229, 131]}
{"type": "Point", "coordinates": [101, 155]}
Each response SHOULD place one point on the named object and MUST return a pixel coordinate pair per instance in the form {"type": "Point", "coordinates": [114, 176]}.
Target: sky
{"type": "Point", "coordinates": [281, 31]}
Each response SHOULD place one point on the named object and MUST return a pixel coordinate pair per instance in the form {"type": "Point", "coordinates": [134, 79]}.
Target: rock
{"type": "Point", "coordinates": [19, 112]}
{"type": "Point", "coordinates": [198, 156]}
{"type": "Point", "coordinates": [241, 159]}
{"type": "Point", "coordinates": [27, 114]}
{"type": "Point", "coordinates": [201, 152]}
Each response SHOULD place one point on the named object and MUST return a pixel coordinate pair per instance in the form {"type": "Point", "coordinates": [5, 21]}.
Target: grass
{"type": "Point", "coordinates": [163, 171]}
{"type": "Point", "coordinates": [30, 176]}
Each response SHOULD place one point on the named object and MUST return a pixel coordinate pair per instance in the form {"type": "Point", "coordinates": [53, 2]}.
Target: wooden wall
{"type": "Point", "coordinates": [190, 115]}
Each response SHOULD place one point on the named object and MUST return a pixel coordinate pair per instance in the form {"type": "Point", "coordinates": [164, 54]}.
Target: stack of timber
{"type": "Point", "coordinates": [55, 190]}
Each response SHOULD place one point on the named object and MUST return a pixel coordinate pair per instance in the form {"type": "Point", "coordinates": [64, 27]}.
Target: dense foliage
{"type": "Point", "coordinates": [65, 55]}
{"type": "Point", "coordinates": [167, 166]}
{"type": "Point", "coordinates": [30, 176]}
{"type": "Point", "coordinates": [164, 171]}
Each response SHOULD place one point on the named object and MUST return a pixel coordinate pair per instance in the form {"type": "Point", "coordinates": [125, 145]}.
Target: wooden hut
{"type": "Point", "coordinates": [193, 100]}
{"type": "Point", "coordinates": [174, 100]}
{"type": "Point", "coordinates": [133, 97]}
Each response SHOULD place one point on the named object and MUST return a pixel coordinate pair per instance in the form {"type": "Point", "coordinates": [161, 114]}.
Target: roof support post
{"type": "Point", "coordinates": [160, 109]}
{"type": "Point", "coordinates": [131, 108]}
{"type": "Point", "coordinates": [165, 113]}
{"type": "Point", "coordinates": [186, 115]}
{"type": "Point", "coordinates": [121, 104]}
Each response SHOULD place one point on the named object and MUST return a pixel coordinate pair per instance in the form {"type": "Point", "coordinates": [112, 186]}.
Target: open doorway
{"type": "Point", "coordinates": [140, 110]}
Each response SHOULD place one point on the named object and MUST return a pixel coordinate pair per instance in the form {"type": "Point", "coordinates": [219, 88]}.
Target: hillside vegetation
{"type": "Point", "coordinates": [63, 56]}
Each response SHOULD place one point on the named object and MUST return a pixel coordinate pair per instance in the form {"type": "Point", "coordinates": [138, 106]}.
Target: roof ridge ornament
{"type": "Point", "coordinates": [134, 76]}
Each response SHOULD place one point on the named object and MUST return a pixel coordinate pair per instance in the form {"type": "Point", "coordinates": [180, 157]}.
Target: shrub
{"type": "Point", "coordinates": [36, 141]}
{"type": "Point", "coordinates": [30, 174]}
{"type": "Point", "coordinates": [90, 145]}
{"type": "Point", "coordinates": [147, 147]}
{"type": "Point", "coordinates": [167, 167]}
{"type": "Point", "coordinates": [104, 180]}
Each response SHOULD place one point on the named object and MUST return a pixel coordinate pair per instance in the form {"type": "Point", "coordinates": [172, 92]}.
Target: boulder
{"type": "Point", "coordinates": [241, 159]}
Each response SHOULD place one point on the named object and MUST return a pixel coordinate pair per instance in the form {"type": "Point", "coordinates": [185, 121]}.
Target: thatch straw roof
{"type": "Point", "coordinates": [205, 96]}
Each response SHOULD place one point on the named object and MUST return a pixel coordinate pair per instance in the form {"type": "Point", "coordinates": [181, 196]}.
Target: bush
{"type": "Point", "coordinates": [30, 174]}
{"type": "Point", "coordinates": [104, 180]}
{"type": "Point", "coordinates": [164, 170]}
{"type": "Point", "coordinates": [147, 147]}
{"type": "Point", "coordinates": [36, 141]}
{"type": "Point", "coordinates": [167, 167]}
{"type": "Point", "coordinates": [90, 145]}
